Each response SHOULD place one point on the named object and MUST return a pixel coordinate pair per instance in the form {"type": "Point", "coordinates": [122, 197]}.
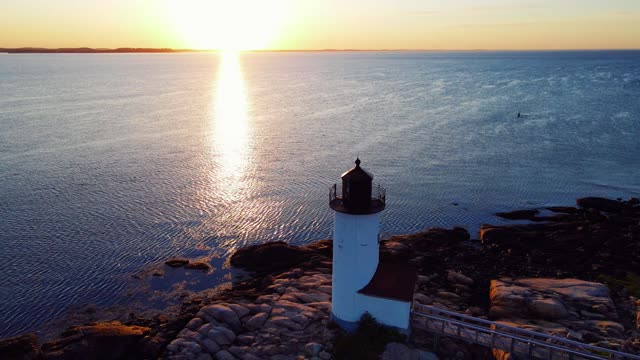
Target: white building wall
{"type": "Point", "coordinates": [355, 259]}
{"type": "Point", "coordinates": [388, 312]}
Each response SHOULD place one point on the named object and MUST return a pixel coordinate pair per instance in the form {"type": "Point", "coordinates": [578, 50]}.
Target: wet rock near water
{"type": "Point", "coordinates": [603, 237]}
{"type": "Point", "coordinates": [604, 205]}
{"type": "Point", "coordinates": [599, 243]}
{"type": "Point", "coordinates": [23, 347]}
{"type": "Point", "coordinates": [187, 264]}
{"type": "Point", "coordinates": [519, 214]}
{"type": "Point", "coordinates": [198, 265]}
{"type": "Point", "coordinates": [110, 340]}
{"type": "Point", "coordinates": [278, 255]}
{"type": "Point", "coordinates": [282, 310]}
{"type": "Point", "coordinates": [176, 262]}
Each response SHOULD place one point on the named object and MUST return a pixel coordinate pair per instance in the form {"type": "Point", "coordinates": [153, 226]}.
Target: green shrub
{"type": "Point", "coordinates": [367, 342]}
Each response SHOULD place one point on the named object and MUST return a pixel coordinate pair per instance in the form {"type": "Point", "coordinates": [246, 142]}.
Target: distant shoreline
{"type": "Point", "coordinates": [86, 50]}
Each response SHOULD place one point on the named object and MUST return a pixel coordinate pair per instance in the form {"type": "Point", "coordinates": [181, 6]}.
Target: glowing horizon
{"type": "Point", "coordinates": [227, 25]}
{"type": "Point", "coordinates": [328, 24]}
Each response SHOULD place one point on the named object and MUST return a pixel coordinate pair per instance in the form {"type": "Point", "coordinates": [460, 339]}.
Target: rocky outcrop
{"type": "Point", "coordinates": [187, 264]}
{"type": "Point", "coordinates": [577, 309]}
{"type": "Point", "coordinates": [198, 265]}
{"type": "Point", "coordinates": [277, 255]}
{"type": "Point", "coordinates": [176, 262]}
{"type": "Point", "coordinates": [603, 237]}
{"type": "Point", "coordinates": [519, 214]}
{"type": "Point", "coordinates": [585, 243]}
{"type": "Point", "coordinates": [24, 347]}
{"type": "Point", "coordinates": [550, 299]}
{"type": "Point", "coordinates": [111, 340]}
{"type": "Point", "coordinates": [602, 204]}
{"type": "Point", "coordinates": [287, 321]}
{"type": "Point", "coordinates": [281, 311]}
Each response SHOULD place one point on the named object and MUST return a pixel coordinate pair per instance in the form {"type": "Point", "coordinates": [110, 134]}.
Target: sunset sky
{"type": "Point", "coordinates": [322, 24]}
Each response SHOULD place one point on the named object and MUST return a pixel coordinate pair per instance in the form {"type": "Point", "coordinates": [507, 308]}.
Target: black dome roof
{"type": "Point", "coordinates": [357, 174]}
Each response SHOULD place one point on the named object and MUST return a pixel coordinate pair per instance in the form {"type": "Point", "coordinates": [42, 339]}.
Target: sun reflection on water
{"type": "Point", "coordinates": [230, 126]}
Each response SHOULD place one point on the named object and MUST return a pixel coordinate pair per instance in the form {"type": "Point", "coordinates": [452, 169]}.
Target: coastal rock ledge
{"type": "Point", "coordinates": [572, 273]}
{"type": "Point", "coordinates": [288, 322]}
{"type": "Point", "coordinates": [572, 308]}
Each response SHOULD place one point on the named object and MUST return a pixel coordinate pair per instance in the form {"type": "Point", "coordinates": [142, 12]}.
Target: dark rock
{"type": "Point", "coordinates": [322, 247]}
{"type": "Point", "coordinates": [519, 214]}
{"type": "Point", "coordinates": [559, 218]}
{"type": "Point", "coordinates": [489, 234]}
{"type": "Point", "coordinates": [177, 262]}
{"type": "Point", "coordinates": [197, 266]}
{"type": "Point", "coordinates": [102, 341]}
{"type": "Point", "coordinates": [278, 256]}
{"type": "Point", "coordinates": [455, 234]}
{"type": "Point", "coordinates": [591, 337]}
{"type": "Point", "coordinates": [601, 204]}
{"type": "Point", "coordinates": [23, 347]}
{"type": "Point", "coordinates": [563, 209]}
{"type": "Point", "coordinates": [270, 256]}
{"type": "Point", "coordinates": [154, 346]}
{"type": "Point", "coordinates": [594, 215]}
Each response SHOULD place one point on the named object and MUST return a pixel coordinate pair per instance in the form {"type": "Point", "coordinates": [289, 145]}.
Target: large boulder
{"type": "Point", "coordinates": [102, 341]}
{"type": "Point", "coordinates": [548, 308]}
{"type": "Point", "coordinates": [256, 321]}
{"type": "Point", "coordinates": [23, 347]}
{"type": "Point", "coordinates": [519, 214]}
{"type": "Point", "coordinates": [602, 204]}
{"type": "Point", "coordinates": [557, 306]}
{"type": "Point", "coordinates": [490, 234]}
{"type": "Point", "coordinates": [549, 298]}
{"type": "Point", "coordinates": [422, 241]}
{"type": "Point", "coordinates": [223, 314]}
{"type": "Point", "coordinates": [176, 262]}
{"type": "Point", "coordinates": [270, 256]}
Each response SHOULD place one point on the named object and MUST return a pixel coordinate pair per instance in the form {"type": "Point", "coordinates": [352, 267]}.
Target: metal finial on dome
{"type": "Point", "coordinates": [357, 162]}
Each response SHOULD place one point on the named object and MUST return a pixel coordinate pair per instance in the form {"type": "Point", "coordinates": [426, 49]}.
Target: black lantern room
{"type": "Point", "coordinates": [359, 196]}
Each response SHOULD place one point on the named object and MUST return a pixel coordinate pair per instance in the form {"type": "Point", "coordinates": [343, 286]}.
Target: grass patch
{"type": "Point", "coordinates": [630, 282]}
{"type": "Point", "coordinates": [367, 342]}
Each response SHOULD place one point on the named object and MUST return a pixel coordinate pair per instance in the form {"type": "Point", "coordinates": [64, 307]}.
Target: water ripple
{"type": "Point", "coordinates": [112, 163]}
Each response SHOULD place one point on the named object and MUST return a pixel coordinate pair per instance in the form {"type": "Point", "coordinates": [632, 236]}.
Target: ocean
{"type": "Point", "coordinates": [113, 163]}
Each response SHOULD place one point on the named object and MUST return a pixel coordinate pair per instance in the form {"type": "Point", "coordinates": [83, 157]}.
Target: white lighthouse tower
{"type": "Point", "coordinates": [360, 283]}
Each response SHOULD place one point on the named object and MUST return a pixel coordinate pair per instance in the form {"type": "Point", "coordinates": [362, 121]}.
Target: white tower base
{"type": "Point", "coordinates": [355, 259]}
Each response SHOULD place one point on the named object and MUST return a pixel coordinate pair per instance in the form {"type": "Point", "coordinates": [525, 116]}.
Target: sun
{"type": "Point", "coordinates": [228, 24]}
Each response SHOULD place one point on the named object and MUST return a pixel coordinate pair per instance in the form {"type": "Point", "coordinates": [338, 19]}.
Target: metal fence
{"type": "Point", "coordinates": [507, 338]}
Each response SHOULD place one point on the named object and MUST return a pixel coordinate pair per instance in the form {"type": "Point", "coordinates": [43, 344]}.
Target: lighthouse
{"type": "Point", "coordinates": [360, 283]}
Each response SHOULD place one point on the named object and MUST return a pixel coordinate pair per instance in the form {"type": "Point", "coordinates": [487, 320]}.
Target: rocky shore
{"type": "Point", "coordinates": [570, 271]}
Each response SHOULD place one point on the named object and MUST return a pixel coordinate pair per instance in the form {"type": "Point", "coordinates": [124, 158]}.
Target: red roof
{"type": "Point", "coordinates": [392, 281]}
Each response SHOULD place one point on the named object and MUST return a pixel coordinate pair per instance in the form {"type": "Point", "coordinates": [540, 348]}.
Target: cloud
{"type": "Point", "coordinates": [506, 7]}
{"type": "Point", "coordinates": [423, 13]}
{"type": "Point", "coordinates": [511, 24]}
